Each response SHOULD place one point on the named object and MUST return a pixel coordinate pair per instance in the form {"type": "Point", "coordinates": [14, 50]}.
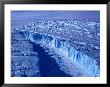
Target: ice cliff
{"type": "Point", "coordinates": [84, 61]}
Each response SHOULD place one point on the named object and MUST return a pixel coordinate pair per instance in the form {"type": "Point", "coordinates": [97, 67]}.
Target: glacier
{"type": "Point", "coordinates": [39, 32]}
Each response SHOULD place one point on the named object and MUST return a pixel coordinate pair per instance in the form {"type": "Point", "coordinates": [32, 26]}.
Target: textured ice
{"type": "Point", "coordinates": [77, 43]}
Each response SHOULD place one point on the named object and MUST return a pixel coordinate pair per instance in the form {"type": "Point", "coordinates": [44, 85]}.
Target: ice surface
{"type": "Point", "coordinates": [78, 41]}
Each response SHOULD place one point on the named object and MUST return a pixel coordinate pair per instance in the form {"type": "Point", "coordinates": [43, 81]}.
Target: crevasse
{"type": "Point", "coordinates": [84, 61]}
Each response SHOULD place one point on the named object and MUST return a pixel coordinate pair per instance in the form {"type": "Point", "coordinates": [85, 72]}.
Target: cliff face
{"type": "Point", "coordinates": [78, 42]}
